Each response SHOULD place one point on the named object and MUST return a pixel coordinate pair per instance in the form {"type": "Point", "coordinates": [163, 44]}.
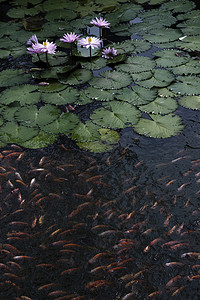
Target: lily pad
{"type": "Point", "coordinates": [111, 80]}
{"type": "Point", "coordinates": [116, 115]}
{"type": "Point", "coordinates": [13, 77]}
{"type": "Point", "coordinates": [186, 85]}
{"type": "Point", "coordinates": [69, 95]}
{"type": "Point", "coordinates": [79, 76]}
{"type": "Point", "coordinates": [22, 94]}
{"type": "Point", "coordinates": [160, 126]}
{"type": "Point", "coordinates": [11, 132]}
{"type": "Point", "coordinates": [160, 105]}
{"type": "Point", "coordinates": [41, 140]}
{"type": "Point", "coordinates": [137, 64]}
{"type": "Point", "coordinates": [100, 94]}
{"type": "Point", "coordinates": [171, 58]}
{"type": "Point", "coordinates": [160, 78]}
{"type": "Point", "coordinates": [85, 132]}
{"type": "Point", "coordinates": [162, 36]}
{"type": "Point", "coordinates": [64, 124]}
{"type": "Point", "coordinates": [191, 102]}
{"type": "Point", "coordinates": [136, 95]}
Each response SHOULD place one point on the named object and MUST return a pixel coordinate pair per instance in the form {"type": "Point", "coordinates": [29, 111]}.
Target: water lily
{"type": "Point", "coordinates": [33, 40]}
{"type": "Point", "coordinates": [90, 42]}
{"type": "Point", "coordinates": [109, 53]}
{"type": "Point", "coordinates": [48, 47]}
{"type": "Point", "coordinates": [70, 37]}
{"type": "Point", "coordinates": [100, 22]}
{"type": "Point", "coordinates": [38, 48]}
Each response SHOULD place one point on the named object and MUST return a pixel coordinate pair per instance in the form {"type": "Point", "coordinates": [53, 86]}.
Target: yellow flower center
{"type": "Point", "coordinates": [89, 40]}
{"type": "Point", "coordinates": [45, 44]}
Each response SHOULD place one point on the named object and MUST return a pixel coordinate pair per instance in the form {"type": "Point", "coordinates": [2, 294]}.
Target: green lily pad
{"type": "Point", "coordinates": [11, 132]}
{"type": "Point", "coordinates": [69, 95]}
{"type": "Point", "coordinates": [162, 36]}
{"type": "Point", "coordinates": [79, 76]}
{"type": "Point", "coordinates": [64, 124]}
{"type": "Point", "coordinates": [13, 77]}
{"type": "Point", "coordinates": [30, 116]}
{"type": "Point", "coordinates": [108, 139]}
{"type": "Point", "coordinates": [191, 67]}
{"type": "Point", "coordinates": [111, 80]}
{"type": "Point", "coordinates": [23, 94]}
{"type": "Point", "coordinates": [171, 58]}
{"type": "Point", "coordinates": [186, 85]}
{"type": "Point", "coordinates": [160, 78]}
{"type": "Point", "coordinates": [160, 126]}
{"type": "Point", "coordinates": [116, 115]}
{"type": "Point", "coordinates": [136, 95]}
{"type": "Point", "coordinates": [160, 105]}
{"type": "Point", "coordinates": [137, 64]}
{"type": "Point", "coordinates": [41, 140]}
{"type": "Point", "coordinates": [191, 102]}
{"type": "Point", "coordinates": [100, 94]}
{"type": "Point", "coordinates": [85, 132]}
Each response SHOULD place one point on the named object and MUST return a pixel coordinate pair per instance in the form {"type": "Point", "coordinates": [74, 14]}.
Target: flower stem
{"type": "Point", "coordinates": [47, 58]}
{"type": "Point", "coordinates": [38, 56]}
{"type": "Point", "coordinates": [90, 53]}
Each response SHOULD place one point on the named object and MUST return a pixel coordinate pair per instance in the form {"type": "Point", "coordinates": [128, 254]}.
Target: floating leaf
{"type": "Point", "coordinates": [41, 140]}
{"type": "Point", "coordinates": [116, 115]}
{"type": "Point", "coordinates": [99, 94]}
{"type": "Point", "coordinates": [13, 133]}
{"type": "Point", "coordinates": [171, 58]}
{"type": "Point", "coordinates": [52, 87]}
{"type": "Point", "coordinates": [64, 124]}
{"type": "Point", "coordinates": [159, 126]}
{"type": "Point", "coordinates": [83, 99]}
{"type": "Point", "coordinates": [23, 94]}
{"type": "Point", "coordinates": [162, 36]}
{"type": "Point", "coordinates": [79, 76]}
{"type": "Point", "coordinates": [136, 95]}
{"type": "Point", "coordinates": [111, 80]}
{"type": "Point", "coordinates": [13, 77]}
{"type": "Point", "coordinates": [178, 6]}
{"type": "Point", "coordinates": [108, 139]}
{"type": "Point", "coordinates": [191, 102]}
{"type": "Point", "coordinates": [191, 43]}
{"type": "Point", "coordinates": [31, 116]}
{"type": "Point", "coordinates": [69, 95]}
{"type": "Point", "coordinates": [85, 132]}
{"type": "Point", "coordinates": [186, 85]}
{"type": "Point", "coordinates": [191, 67]}
{"type": "Point", "coordinates": [137, 64]}
{"type": "Point", "coordinates": [160, 105]}
{"type": "Point", "coordinates": [9, 111]}
{"type": "Point", "coordinates": [160, 78]}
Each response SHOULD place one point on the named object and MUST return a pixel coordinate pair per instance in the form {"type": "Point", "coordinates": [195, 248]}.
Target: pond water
{"type": "Point", "coordinates": [121, 222]}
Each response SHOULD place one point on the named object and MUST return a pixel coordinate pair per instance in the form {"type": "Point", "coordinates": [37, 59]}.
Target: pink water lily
{"type": "Point", "coordinates": [90, 42]}
{"type": "Point", "coordinates": [70, 37]}
{"type": "Point", "coordinates": [33, 40]}
{"type": "Point", "coordinates": [48, 47]}
{"type": "Point", "coordinates": [100, 22]}
{"type": "Point", "coordinates": [109, 53]}
{"type": "Point", "coordinates": [35, 48]}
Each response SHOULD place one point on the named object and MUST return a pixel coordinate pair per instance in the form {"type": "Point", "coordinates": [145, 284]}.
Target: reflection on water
{"type": "Point", "coordinates": [120, 226]}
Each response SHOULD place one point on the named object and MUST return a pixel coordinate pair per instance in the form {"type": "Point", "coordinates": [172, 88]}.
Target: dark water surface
{"type": "Point", "coordinates": [119, 225]}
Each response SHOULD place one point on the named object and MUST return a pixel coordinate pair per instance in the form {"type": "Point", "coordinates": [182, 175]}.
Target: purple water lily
{"type": "Point", "coordinates": [90, 42]}
{"type": "Point", "coordinates": [70, 37]}
{"type": "Point", "coordinates": [100, 22]}
{"type": "Point", "coordinates": [109, 53]}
